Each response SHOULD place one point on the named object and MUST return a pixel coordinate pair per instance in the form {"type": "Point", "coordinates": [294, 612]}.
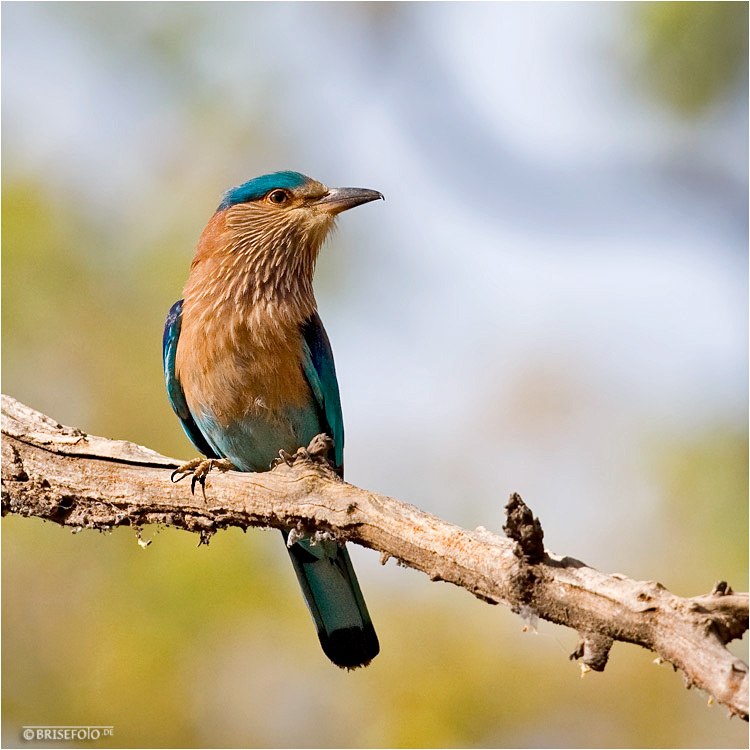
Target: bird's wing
{"type": "Point", "coordinates": [174, 388]}
{"type": "Point", "coordinates": [321, 375]}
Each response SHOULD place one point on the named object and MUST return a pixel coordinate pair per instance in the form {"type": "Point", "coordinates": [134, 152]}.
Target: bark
{"type": "Point", "coordinates": [82, 481]}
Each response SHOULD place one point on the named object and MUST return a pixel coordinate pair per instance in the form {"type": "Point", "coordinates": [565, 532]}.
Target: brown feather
{"type": "Point", "coordinates": [249, 290]}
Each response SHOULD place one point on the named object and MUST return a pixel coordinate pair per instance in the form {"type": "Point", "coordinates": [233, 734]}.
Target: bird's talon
{"type": "Point", "coordinates": [199, 469]}
{"type": "Point", "coordinates": [316, 452]}
{"type": "Point", "coordinates": [178, 476]}
{"type": "Point", "coordinates": [202, 481]}
{"type": "Point", "coordinates": [284, 457]}
{"type": "Point", "coordinates": [186, 469]}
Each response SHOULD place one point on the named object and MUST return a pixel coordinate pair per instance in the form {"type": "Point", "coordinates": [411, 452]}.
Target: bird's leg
{"type": "Point", "coordinates": [199, 469]}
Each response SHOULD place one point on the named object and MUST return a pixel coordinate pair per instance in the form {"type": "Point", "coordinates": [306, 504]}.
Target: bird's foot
{"type": "Point", "coordinates": [316, 452]}
{"type": "Point", "coordinates": [284, 458]}
{"type": "Point", "coordinates": [199, 468]}
{"type": "Point", "coordinates": [319, 448]}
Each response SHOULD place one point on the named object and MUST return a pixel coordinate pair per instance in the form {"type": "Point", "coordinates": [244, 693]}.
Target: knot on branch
{"type": "Point", "coordinates": [721, 588]}
{"type": "Point", "coordinates": [727, 611]}
{"type": "Point", "coordinates": [14, 467]}
{"type": "Point", "coordinates": [524, 530]}
{"type": "Point", "coordinates": [593, 649]}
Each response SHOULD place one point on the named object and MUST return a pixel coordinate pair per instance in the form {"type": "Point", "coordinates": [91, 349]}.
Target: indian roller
{"type": "Point", "coordinates": [249, 369]}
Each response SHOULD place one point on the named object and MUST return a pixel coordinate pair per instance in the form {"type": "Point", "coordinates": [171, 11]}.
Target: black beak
{"type": "Point", "coordinates": [337, 200]}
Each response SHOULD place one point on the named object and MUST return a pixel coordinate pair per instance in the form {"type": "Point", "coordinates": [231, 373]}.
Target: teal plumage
{"type": "Point", "coordinates": [249, 369]}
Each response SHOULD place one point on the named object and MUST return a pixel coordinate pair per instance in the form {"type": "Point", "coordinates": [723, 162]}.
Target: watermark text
{"type": "Point", "coordinates": [79, 734]}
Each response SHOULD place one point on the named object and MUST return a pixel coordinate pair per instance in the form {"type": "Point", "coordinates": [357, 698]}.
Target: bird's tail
{"type": "Point", "coordinates": [335, 601]}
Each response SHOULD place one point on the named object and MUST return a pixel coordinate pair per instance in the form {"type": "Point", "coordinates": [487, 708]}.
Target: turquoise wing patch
{"type": "Point", "coordinates": [321, 375]}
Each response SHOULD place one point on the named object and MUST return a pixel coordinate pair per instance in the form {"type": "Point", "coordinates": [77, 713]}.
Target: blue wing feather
{"type": "Point", "coordinates": [174, 389]}
{"type": "Point", "coordinates": [321, 375]}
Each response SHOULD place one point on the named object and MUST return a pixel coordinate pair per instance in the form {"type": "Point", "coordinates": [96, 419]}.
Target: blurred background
{"type": "Point", "coordinates": [553, 300]}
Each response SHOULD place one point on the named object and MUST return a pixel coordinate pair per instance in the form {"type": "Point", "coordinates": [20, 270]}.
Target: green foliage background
{"type": "Point", "coordinates": [178, 646]}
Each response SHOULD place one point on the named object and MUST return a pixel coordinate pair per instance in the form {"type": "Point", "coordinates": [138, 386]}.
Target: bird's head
{"type": "Point", "coordinates": [287, 209]}
{"type": "Point", "coordinates": [263, 241]}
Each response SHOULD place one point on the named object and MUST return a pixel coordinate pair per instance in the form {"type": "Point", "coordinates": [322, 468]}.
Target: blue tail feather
{"type": "Point", "coordinates": [332, 594]}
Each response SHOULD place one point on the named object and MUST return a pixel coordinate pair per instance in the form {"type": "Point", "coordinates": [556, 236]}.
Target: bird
{"type": "Point", "coordinates": [249, 370]}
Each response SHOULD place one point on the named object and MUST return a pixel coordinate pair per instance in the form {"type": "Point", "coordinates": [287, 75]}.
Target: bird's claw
{"type": "Point", "coordinates": [199, 469]}
{"type": "Point", "coordinates": [284, 457]}
{"type": "Point", "coordinates": [186, 469]}
{"type": "Point", "coordinates": [315, 452]}
{"type": "Point", "coordinates": [319, 447]}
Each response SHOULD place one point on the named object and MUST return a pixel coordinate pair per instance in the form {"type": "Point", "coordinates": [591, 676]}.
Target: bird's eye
{"type": "Point", "coordinates": [278, 196]}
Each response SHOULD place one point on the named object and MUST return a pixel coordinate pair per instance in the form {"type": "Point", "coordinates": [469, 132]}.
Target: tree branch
{"type": "Point", "coordinates": [63, 475]}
